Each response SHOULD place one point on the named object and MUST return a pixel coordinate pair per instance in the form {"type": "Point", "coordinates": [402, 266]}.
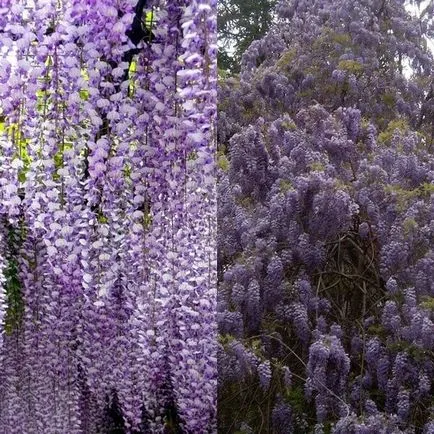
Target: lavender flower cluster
{"type": "Point", "coordinates": [325, 224]}
{"type": "Point", "coordinates": [107, 216]}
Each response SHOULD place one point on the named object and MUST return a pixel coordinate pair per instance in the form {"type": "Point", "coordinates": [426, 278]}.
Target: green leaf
{"type": "Point", "coordinates": [14, 298]}
{"type": "Point", "coordinates": [149, 20]}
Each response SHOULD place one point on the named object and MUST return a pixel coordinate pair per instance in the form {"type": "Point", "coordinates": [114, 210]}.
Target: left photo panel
{"type": "Point", "coordinates": [108, 217]}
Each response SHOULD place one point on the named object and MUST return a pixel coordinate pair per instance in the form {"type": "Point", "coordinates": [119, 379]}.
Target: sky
{"type": "Point", "coordinates": [416, 10]}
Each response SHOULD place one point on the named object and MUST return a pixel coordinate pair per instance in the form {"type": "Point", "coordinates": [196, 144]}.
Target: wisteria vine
{"type": "Point", "coordinates": [107, 209]}
{"type": "Point", "coordinates": [325, 217]}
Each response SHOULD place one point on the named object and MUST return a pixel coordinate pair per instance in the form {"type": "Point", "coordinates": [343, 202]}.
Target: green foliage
{"type": "Point", "coordinates": [102, 219]}
{"type": "Point", "coordinates": [84, 94]}
{"type": "Point", "coordinates": [290, 126]}
{"type": "Point", "coordinates": [222, 74]}
{"type": "Point", "coordinates": [427, 302]}
{"type": "Point", "coordinates": [149, 20]}
{"type": "Point", "coordinates": [341, 38]}
{"type": "Point", "coordinates": [426, 189]}
{"type": "Point", "coordinates": [14, 298]}
{"type": "Point", "coordinates": [58, 158]}
{"type": "Point", "coordinates": [399, 125]}
{"type": "Point", "coordinates": [378, 396]}
{"type": "Point", "coordinates": [131, 74]}
{"type": "Point", "coordinates": [240, 22]}
{"type": "Point", "coordinates": [256, 346]}
{"type": "Point", "coordinates": [126, 171]}
{"type": "Point", "coordinates": [331, 37]}
{"type": "Point", "coordinates": [350, 66]}
{"type": "Point", "coordinates": [404, 196]}
{"type": "Point", "coordinates": [416, 352]}
{"type": "Point", "coordinates": [287, 58]}
{"type": "Point", "coordinates": [296, 398]}
{"type": "Point", "coordinates": [225, 339]}
{"type": "Point", "coordinates": [192, 156]}
{"type": "Point", "coordinates": [316, 166]}
{"type": "Point", "coordinates": [246, 202]}
{"type": "Point", "coordinates": [377, 330]}
{"type": "Point", "coordinates": [171, 420]}
{"type": "Point", "coordinates": [15, 135]}
{"type": "Point", "coordinates": [285, 186]}
{"type": "Point", "coordinates": [42, 98]}
{"type": "Point", "coordinates": [147, 218]}
{"type": "Point", "coordinates": [409, 225]}
{"type": "Point", "coordinates": [389, 99]}
{"type": "Point", "coordinates": [223, 163]}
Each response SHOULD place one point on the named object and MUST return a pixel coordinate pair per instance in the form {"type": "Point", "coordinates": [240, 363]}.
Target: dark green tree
{"type": "Point", "coordinates": [240, 22]}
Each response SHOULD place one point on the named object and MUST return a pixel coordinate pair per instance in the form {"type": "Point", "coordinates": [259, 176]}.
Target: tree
{"type": "Point", "coordinates": [325, 246]}
{"type": "Point", "coordinates": [107, 204]}
{"type": "Point", "coordinates": [240, 22]}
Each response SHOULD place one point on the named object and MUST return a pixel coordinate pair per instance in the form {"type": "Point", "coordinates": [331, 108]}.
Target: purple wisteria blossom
{"type": "Point", "coordinates": [325, 217]}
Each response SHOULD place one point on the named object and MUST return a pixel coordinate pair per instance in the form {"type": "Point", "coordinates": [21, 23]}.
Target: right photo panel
{"type": "Point", "coordinates": [326, 217]}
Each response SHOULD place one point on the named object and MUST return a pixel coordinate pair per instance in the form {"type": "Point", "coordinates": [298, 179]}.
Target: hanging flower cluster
{"type": "Point", "coordinates": [107, 208]}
